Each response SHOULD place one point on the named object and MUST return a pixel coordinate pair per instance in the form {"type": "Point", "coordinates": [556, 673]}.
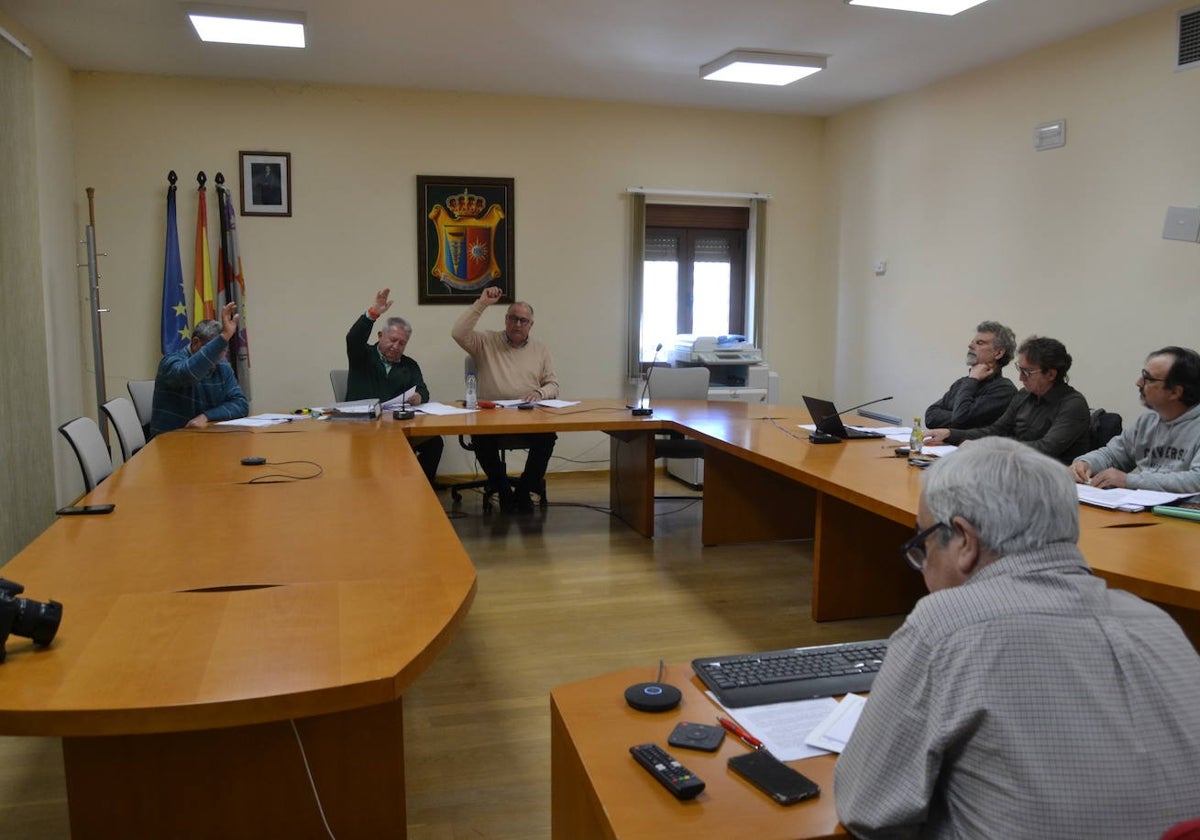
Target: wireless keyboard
{"type": "Point", "coordinates": [779, 676]}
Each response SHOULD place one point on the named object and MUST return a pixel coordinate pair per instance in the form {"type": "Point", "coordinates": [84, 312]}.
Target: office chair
{"type": "Point", "coordinates": [123, 416]}
{"type": "Point", "coordinates": [1105, 426]}
{"type": "Point", "coordinates": [94, 461]}
{"type": "Point", "coordinates": [337, 378]}
{"type": "Point", "coordinates": [683, 383]}
{"type": "Point", "coordinates": [508, 444]}
{"type": "Point", "coordinates": [141, 391]}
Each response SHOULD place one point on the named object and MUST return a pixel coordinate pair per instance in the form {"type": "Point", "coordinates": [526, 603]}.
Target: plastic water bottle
{"type": "Point", "coordinates": [917, 439]}
{"type": "Point", "coordinates": [472, 393]}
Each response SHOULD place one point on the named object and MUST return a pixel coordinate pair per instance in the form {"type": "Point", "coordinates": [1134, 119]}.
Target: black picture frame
{"type": "Point", "coordinates": [266, 183]}
{"type": "Point", "coordinates": [464, 238]}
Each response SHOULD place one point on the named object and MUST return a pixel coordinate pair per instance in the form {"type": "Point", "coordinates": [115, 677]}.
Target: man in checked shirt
{"type": "Point", "coordinates": [1022, 698]}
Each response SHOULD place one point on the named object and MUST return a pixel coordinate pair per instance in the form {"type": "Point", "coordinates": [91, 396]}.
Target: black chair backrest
{"type": "Point", "coordinates": [1106, 425]}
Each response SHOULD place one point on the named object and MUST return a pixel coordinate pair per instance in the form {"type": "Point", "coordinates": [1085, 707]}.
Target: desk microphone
{"type": "Point", "coordinates": [404, 412]}
{"type": "Point", "coordinates": [819, 436]}
{"type": "Point", "coordinates": [640, 410]}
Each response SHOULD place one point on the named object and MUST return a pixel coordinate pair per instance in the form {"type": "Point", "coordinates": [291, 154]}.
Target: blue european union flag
{"type": "Point", "coordinates": [175, 332]}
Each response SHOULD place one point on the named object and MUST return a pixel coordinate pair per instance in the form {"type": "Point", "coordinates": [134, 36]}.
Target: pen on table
{"type": "Point", "coordinates": [741, 733]}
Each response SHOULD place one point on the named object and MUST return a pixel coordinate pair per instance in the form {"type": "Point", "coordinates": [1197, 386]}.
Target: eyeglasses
{"type": "Point", "coordinates": [517, 319]}
{"type": "Point", "coordinates": [1025, 374]}
{"type": "Point", "coordinates": [914, 549]}
{"type": "Point", "coordinates": [1147, 378]}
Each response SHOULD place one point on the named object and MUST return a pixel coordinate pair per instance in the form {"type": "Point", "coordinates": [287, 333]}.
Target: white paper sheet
{"type": "Point", "coordinates": [1118, 498]}
{"type": "Point", "coordinates": [259, 420]}
{"type": "Point", "coordinates": [558, 403]}
{"type": "Point", "coordinates": [440, 409]}
{"type": "Point", "coordinates": [401, 401]}
{"type": "Point", "coordinates": [833, 733]}
{"type": "Point", "coordinates": [782, 727]}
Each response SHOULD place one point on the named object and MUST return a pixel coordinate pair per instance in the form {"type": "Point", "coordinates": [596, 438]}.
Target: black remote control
{"type": "Point", "coordinates": [682, 782]}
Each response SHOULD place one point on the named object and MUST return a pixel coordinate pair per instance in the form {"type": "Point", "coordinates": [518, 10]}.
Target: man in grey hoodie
{"type": "Point", "coordinates": [1161, 451]}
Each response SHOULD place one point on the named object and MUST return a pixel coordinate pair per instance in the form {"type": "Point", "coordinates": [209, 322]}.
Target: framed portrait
{"type": "Point", "coordinates": [464, 238]}
{"type": "Point", "coordinates": [266, 183]}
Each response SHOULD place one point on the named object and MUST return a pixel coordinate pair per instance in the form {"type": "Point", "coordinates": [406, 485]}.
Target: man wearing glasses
{"type": "Point", "coordinates": [509, 365]}
{"type": "Point", "coordinates": [1047, 413]}
{"type": "Point", "coordinates": [1022, 698]}
{"type": "Point", "coordinates": [980, 397]}
{"type": "Point", "coordinates": [1161, 451]}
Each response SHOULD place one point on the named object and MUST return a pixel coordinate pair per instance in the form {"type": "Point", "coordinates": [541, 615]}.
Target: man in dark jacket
{"type": "Point", "coordinates": [382, 371]}
{"type": "Point", "coordinates": [980, 397]}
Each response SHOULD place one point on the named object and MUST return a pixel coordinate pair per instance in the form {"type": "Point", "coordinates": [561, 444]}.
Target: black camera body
{"type": "Point", "coordinates": [26, 617]}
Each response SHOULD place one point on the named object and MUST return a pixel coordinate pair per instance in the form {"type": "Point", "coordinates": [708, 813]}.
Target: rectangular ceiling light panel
{"type": "Point", "coordinates": [228, 25]}
{"type": "Point", "coordinates": [759, 67]}
{"type": "Point", "coordinates": [932, 7]}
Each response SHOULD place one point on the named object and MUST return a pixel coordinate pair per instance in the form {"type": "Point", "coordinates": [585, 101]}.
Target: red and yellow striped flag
{"type": "Point", "coordinates": [204, 305]}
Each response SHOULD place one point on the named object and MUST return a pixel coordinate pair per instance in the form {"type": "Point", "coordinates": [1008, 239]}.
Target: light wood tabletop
{"type": "Point", "coordinates": [600, 793]}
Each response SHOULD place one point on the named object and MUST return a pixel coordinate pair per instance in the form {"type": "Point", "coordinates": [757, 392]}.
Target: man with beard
{"type": "Point", "coordinates": [1161, 451]}
{"type": "Point", "coordinates": [980, 397]}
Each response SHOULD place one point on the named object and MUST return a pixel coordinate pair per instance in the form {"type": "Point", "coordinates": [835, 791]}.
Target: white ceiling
{"type": "Point", "coordinates": [645, 51]}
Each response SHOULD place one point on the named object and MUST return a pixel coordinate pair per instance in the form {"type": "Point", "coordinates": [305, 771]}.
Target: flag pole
{"type": "Point", "coordinates": [94, 296]}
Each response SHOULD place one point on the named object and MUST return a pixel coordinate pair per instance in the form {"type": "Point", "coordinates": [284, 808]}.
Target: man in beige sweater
{"type": "Point", "coordinates": [509, 365]}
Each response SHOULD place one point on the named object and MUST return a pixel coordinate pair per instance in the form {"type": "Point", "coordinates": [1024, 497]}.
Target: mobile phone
{"type": "Point", "coordinates": [774, 778]}
{"type": "Point", "coordinates": [84, 510]}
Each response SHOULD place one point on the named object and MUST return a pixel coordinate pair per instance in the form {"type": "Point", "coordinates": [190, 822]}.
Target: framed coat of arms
{"type": "Point", "coordinates": [464, 238]}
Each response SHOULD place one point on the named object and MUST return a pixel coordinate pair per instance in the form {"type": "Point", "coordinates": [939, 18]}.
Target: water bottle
{"type": "Point", "coordinates": [917, 439]}
{"type": "Point", "coordinates": [472, 393]}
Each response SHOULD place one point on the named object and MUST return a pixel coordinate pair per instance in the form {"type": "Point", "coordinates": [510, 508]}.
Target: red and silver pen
{"type": "Point", "coordinates": [741, 733]}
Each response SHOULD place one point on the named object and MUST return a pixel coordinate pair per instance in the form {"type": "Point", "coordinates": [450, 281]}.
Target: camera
{"type": "Point", "coordinates": [26, 617]}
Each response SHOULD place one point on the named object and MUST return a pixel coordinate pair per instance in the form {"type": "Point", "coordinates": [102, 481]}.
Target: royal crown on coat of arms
{"type": "Point", "coordinates": [466, 204]}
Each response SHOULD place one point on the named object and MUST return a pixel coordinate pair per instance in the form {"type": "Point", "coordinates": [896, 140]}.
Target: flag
{"type": "Point", "coordinates": [203, 307]}
{"type": "Point", "coordinates": [175, 332]}
{"type": "Point", "coordinates": [231, 286]}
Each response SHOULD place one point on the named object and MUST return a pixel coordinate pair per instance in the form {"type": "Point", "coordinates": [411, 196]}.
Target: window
{"type": "Point", "coordinates": [694, 274]}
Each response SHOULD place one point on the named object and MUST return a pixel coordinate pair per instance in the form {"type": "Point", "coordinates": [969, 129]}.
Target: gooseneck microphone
{"type": "Point", "coordinates": [403, 412]}
{"type": "Point", "coordinates": [641, 410]}
{"type": "Point", "coordinates": [819, 436]}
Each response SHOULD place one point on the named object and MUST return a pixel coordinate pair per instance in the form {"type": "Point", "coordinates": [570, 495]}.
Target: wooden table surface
{"type": "Point", "coordinates": [203, 601]}
{"type": "Point", "coordinates": [1151, 556]}
{"type": "Point", "coordinates": [599, 792]}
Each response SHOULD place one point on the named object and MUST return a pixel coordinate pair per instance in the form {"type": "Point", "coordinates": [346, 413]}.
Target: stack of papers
{"type": "Point", "coordinates": [1118, 498]}
{"type": "Point", "coordinates": [802, 728]}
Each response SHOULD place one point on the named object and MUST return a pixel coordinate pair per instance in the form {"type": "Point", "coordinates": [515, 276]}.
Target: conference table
{"type": "Point", "coordinates": [764, 481]}
{"type": "Point", "coordinates": [222, 641]}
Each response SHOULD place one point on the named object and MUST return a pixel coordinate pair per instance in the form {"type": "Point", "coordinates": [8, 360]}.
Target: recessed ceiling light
{"type": "Point", "coordinates": [232, 25]}
{"type": "Point", "coordinates": [761, 67]}
{"type": "Point", "coordinates": [933, 7]}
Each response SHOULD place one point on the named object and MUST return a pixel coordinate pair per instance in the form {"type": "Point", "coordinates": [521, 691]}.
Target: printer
{"type": "Point", "coordinates": [714, 350]}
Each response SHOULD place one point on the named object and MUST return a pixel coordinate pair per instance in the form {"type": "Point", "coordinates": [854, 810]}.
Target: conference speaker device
{"type": "Point", "coordinates": [653, 697]}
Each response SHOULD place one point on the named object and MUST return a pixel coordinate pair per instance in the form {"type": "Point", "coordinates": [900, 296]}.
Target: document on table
{"type": "Point", "coordinates": [440, 409]}
{"type": "Point", "coordinates": [1119, 498]}
{"type": "Point", "coordinates": [783, 727]}
{"type": "Point", "coordinates": [402, 401]}
{"type": "Point", "coordinates": [834, 732]}
{"type": "Point", "coordinates": [259, 420]}
{"type": "Point", "coordinates": [557, 403]}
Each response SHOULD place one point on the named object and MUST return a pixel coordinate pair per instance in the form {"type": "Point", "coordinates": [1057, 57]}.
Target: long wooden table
{"type": "Point", "coordinates": [205, 615]}
{"type": "Point", "coordinates": [763, 480]}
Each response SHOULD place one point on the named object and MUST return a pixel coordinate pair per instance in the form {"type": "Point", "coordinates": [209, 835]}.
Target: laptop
{"type": "Point", "coordinates": [825, 416]}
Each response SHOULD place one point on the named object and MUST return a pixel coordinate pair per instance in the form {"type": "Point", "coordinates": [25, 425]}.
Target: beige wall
{"type": "Point", "coordinates": [945, 185]}
{"type": "Point", "coordinates": [942, 183]}
{"type": "Point", "coordinates": [355, 156]}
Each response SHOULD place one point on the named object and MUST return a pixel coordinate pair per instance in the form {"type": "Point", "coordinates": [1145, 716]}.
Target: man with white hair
{"type": "Point", "coordinates": [1021, 698]}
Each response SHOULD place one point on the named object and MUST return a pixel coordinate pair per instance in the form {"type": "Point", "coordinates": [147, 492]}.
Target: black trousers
{"type": "Point", "coordinates": [487, 452]}
{"type": "Point", "coordinates": [429, 455]}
